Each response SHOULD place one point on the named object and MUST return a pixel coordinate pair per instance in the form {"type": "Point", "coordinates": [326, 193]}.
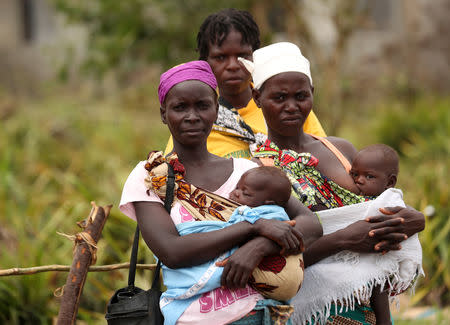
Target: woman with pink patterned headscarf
{"type": "Point", "coordinates": [189, 108]}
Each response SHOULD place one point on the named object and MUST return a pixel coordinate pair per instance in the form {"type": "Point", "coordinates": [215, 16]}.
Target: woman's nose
{"type": "Point", "coordinates": [291, 105]}
{"type": "Point", "coordinates": [233, 63]}
{"type": "Point", "coordinates": [192, 116]}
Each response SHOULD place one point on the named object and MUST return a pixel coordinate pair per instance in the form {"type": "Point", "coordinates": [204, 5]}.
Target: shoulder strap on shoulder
{"type": "Point", "coordinates": [344, 161]}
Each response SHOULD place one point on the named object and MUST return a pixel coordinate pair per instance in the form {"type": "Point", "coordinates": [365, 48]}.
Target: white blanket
{"type": "Point", "coordinates": [349, 277]}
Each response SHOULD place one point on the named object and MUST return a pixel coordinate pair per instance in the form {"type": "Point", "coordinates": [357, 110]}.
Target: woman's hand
{"type": "Point", "coordinates": [283, 233]}
{"type": "Point", "coordinates": [356, 237]}
{"type": "Point", "coordinates": [364, 236]}
{"type": "Point", "coordinates": [240, 265]}
{"type": "Point", "coordinates": [377, 234]}
{"type": "Point", "coordinates": [390, 235]}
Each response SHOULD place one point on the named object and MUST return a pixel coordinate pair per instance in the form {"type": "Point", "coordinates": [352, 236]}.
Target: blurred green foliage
{"type": "Point", "coordinates": [127, 35]}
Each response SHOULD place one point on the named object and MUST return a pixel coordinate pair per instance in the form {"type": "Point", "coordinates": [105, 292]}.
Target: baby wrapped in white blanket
{"type": "Point", "coordinates": [349, 277]}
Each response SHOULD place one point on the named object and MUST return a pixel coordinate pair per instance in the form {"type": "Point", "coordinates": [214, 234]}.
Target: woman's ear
{"type": "Point", "coordinates": [162, 112]}
{"type": "Point", "coordinates": [256, 96]}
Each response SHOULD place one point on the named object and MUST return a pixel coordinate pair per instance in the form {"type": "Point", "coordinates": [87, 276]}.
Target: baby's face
{"type": "Point", "coordinates": [251, 191]}
{"type": "Point", "coordinates": [369, 174]}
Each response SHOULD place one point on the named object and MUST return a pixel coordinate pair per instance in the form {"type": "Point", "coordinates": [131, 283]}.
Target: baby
{"type": "Point", "coordinates": [375, 169]}
{"type": "Point", "coordinates": [262, 186]}
{"type": "Point", "coordinates": [263, 192]}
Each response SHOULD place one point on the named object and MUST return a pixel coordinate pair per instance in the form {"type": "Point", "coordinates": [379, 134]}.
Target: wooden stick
{"type": "Point", "coordinates": [66, 268]}
{"type": "Point", "coordinates": [84, 256]}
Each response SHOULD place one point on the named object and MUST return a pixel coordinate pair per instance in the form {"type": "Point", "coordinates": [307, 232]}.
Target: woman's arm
{"type": "Point", "coordinates": [357, 237]}
{"type": "Point", "coordinates": [175, 251]}
{"type": "Point", "coordinates": [307, 222]}
{"type": "Point", "coordinates": [240, 265]}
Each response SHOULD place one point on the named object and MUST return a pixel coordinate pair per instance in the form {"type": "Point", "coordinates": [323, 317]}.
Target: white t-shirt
{"type": "Point", "coordinates": [219, 306]}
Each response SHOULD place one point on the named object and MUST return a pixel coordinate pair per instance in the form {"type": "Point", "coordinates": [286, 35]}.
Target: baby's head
{"type": "Point", "coordinates": [375, 169]}
{"type": "Point", "coordinates": [262, 185]}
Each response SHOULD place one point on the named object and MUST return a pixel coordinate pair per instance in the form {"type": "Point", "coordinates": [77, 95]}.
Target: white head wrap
{"type": "Point", "coordinates": [277, 58]}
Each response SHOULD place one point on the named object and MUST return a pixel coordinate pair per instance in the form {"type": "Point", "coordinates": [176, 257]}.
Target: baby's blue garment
{"type": "Point", "coordinates": [185, 285]}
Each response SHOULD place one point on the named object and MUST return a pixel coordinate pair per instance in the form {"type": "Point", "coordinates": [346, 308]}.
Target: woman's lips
{"type": "Point", "coordinates": [233, 81]}
{"type": "Point", "coordinates": [193, 131]}
{"type": "Point", "coordinates": [292, 120]}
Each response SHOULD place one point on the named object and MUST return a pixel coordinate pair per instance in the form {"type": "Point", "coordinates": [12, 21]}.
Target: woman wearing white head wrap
{"type": "Point", "coordinates": [274, 59]}
{"type": "Point", "coordinates": [318, 169]}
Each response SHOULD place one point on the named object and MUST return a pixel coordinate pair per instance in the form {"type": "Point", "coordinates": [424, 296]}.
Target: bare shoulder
{"type": "Point", "coordinates": [344, 146]}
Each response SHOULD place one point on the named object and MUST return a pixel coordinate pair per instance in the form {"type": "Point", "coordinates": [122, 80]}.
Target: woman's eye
{"type": "Point", "coordinates": [301, 96]}
{"type": "Point", "coordinates": [203, 106]}
{"type": "Point", "coordinates": [245, 55]}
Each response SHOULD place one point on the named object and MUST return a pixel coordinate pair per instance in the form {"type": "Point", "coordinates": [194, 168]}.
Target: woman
{"type": "Point", "coordinates": [189, 108]}
{"type": "Point", "coordinates": [222, 38]}
{"type": "Point", "coordinates": [318, 167]}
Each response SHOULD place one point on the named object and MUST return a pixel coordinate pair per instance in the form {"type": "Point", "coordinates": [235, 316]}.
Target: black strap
{"type": "Point", "coordinates": [134, 251]}
{"type": "Point", "coordinates": [133, 259]}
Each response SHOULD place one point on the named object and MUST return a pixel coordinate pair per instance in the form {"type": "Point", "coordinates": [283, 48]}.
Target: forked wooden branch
{"type": "Point", "coordinates": [84, 256]}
